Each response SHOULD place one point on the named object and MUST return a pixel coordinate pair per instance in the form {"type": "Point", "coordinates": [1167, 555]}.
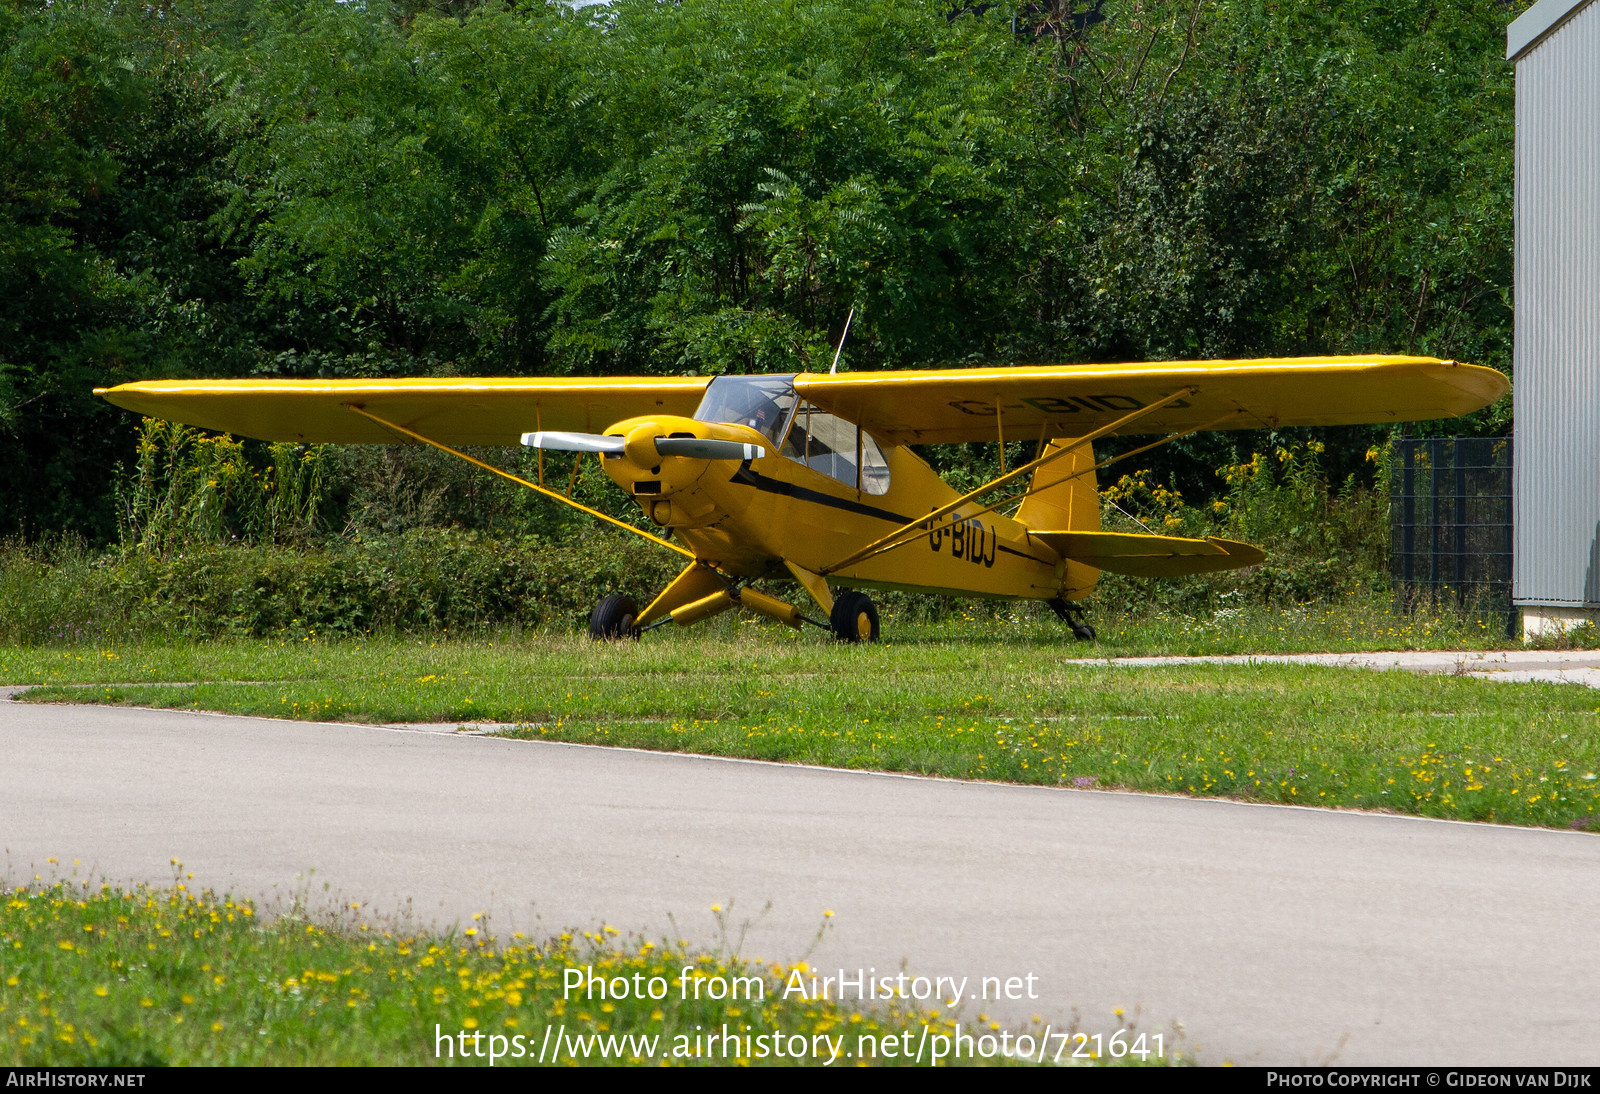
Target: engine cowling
{"type": "Point", "coordinates": [672, 490]}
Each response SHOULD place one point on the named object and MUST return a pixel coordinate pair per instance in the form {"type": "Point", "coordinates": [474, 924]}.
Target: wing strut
{"type": "Point", "coordinates": [1168, 439]}
{"type": "Point", "coordinates": [626, 527]}
{"type": "Point", "coordinates": [1008, 499]}
{"type": "Point", "coordinates": [894, 538]}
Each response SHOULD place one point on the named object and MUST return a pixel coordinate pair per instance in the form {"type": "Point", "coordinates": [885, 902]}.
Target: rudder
{"type": "Point", "coordinates": [1057, 501]}
{"type": "Point", "coordinates": [1061, 499]}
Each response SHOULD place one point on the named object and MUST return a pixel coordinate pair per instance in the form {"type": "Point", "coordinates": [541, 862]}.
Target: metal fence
{"type": "Point", "coordinates": [1450, 521]}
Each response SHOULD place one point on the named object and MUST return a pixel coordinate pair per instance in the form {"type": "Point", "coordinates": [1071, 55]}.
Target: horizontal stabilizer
{"type": "Point", "coordinates": [1150, 556]}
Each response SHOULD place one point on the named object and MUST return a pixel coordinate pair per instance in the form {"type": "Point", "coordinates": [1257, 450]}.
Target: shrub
{"type": "Point", "coordinates": [221, 537]}
{"type": "Point", "coordinates": [425, 580]}
{"type": "Point", "coordinates": [1321, 543]}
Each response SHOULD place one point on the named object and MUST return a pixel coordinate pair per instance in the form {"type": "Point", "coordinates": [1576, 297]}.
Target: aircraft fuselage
{"type": "Point", "coordinates": [749, 517]}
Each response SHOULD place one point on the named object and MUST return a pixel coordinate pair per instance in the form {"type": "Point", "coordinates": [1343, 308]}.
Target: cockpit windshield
{"type": "Point", "coordinates": [761, 402]}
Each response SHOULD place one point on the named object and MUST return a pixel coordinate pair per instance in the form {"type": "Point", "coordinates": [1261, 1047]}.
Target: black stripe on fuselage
{"type": "Point", "coordinates": [751, 477]}
{"type": "Point", "coordinates": [1020, 554]}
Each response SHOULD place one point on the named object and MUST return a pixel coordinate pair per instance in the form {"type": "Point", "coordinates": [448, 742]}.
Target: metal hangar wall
{"type": "Point", "coordinates": [1556, 571]}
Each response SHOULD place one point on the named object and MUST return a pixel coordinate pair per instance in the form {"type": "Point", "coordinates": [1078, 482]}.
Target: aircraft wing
{"type": "Point", "coordinates": [905, 407]}
{"type": "Point", "coordinates": [948, 406]}
{"type": "Point", "coordinates": [1150, 556]}
{"type": "Point", "coordinates": [458, 410]}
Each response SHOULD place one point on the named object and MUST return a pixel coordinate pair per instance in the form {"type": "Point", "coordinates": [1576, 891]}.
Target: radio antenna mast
{"type": "Point", "coordinates": [842, 337]}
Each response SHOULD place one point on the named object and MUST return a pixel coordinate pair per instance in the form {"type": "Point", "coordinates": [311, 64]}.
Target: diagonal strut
{"type": "Point", "coordinates": [624, 525]}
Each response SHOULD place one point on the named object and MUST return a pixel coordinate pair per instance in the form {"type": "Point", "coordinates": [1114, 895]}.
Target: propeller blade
{"type": "Point", "coordinates": [703, 449]}
{"type": "Point", "coordinates": [692, 447]}
{"type": "Point", "coordinates": [574, 442]}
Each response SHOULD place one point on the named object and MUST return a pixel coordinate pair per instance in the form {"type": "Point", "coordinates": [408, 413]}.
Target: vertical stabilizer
{"type": "Point", "coordinates": [1058, 502]}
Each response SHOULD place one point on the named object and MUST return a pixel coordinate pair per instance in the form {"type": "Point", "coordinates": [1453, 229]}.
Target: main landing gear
{"type": "Point", "coordinates": [1072, 615]}
{"type": "Point", "coordinates": [614, 618]}
{"type": "Point", "coordinates": [854, 617]}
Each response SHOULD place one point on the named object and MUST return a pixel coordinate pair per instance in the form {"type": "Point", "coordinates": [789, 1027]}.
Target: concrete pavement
{"type": "Point", "coordinates": [1506, 666]}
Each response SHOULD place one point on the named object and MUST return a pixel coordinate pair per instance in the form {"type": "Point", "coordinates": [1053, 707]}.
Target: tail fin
{"type": "Point", "coordinates": [1059, 502]}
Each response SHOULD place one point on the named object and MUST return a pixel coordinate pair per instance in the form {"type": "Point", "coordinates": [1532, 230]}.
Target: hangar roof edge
{"type": "Point", "coordinates": [1529, 28]}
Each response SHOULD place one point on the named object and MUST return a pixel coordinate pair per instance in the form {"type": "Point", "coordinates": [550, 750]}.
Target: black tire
{"type": "Point", "coordinates": [854, 618]}
{"type": "Point", "coordinates": [613, 618]}
{"type": "Point", "coordinates": [1082, 631]}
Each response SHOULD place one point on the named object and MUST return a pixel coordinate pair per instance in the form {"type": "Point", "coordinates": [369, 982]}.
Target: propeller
{"type": "Point", "coordinates": [699, 448]}
{"type": "Point", "coordinates": [574, 442]}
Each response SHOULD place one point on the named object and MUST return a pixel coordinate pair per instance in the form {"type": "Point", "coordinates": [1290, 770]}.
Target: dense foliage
{"type": "Point", "coordinates": [293, 187]}
{"type": "Point", "coordinates": [213, 546]}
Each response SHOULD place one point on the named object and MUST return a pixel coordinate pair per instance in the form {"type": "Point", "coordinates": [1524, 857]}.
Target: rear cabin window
{"type": "Point", "coordinates": [838, 449]}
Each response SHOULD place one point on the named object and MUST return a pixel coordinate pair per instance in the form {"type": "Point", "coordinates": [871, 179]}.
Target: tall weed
{"type": "Point", "coordinates": [1321, 543]}
{"type": "Point", "coordinates": [425, 580]}
{"type": "Point", "coordinates": [222, 537]}
{"type": "Point", "coordinates": [189, 487]}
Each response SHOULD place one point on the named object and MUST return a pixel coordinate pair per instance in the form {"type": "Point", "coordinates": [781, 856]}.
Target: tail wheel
{"type": "Point", "coordinates": [1072, 615]}
{"type": "Point", "coordinates": [854, 618]}
{"type": "Point", "coordinates": [613, 618]}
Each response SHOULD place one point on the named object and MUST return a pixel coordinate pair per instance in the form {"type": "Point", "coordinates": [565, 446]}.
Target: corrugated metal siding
{"type": "Point", "coordinates": [1557, 356]}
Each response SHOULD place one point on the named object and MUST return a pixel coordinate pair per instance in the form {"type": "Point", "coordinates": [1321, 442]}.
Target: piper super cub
{"type": "Point", "coordinates": [808, 479]}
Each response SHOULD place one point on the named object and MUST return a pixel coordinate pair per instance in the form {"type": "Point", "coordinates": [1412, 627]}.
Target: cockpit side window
{"type": "Point", "coordinates": [837, 448]}
{"type": "Point", "coordinates": [763, 403]}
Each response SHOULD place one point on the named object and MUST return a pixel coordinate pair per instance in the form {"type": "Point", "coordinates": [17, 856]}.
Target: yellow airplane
{"type": "Point", "coordinates": [808, 478]}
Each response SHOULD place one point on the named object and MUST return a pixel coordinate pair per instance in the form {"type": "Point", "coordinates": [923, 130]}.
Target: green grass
{"type": "Point", "coordinates": [1363, 623]}
{"type": "Point", "coordinates": [110, 977]}
{"type": "Point", "coordinates": [962, 700]}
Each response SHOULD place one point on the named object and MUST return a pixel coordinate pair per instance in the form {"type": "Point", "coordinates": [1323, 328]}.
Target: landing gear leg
{"type": "Point", "coordinates": [1072, 615]}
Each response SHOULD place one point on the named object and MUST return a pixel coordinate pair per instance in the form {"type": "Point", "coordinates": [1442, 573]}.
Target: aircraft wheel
{"type": "Point", "coordinates": [854, 618]}
{"type": "Point", "coordinates": [1082, 631]}
{"type": "Point", "coordinates": [613, 618]}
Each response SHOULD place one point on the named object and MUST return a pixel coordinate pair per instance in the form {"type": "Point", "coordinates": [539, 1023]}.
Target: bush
{"type": "Point", "coordinates": [1321, 544]}
{"type": "Point", "coordinates": [425, 580]}
{"type": "Point", "coordinates": [224, 538]}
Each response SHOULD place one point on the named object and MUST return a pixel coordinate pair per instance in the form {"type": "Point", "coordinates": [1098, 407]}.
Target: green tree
{"type": "Point", "coordinates": [399, 183]}
{"type": "Point", "coordinates": [775, 167]}
{"type": "Point", "coordinates": [228, 187]}
{"type": "Point", "coordinates": [108, 268]}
